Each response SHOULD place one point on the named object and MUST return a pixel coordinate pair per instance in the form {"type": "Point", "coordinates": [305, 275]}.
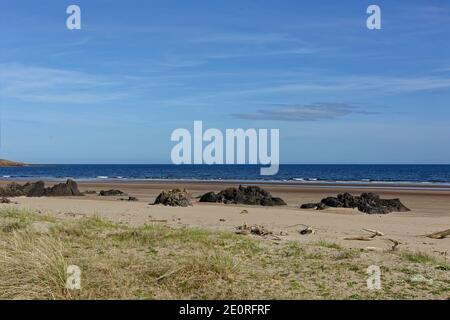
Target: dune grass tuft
{"type": "Point", "coordinates": [157, 262]}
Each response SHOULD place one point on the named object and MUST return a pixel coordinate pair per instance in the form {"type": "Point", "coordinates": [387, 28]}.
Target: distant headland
{"type": "Point", "coordinates": [8, 163]}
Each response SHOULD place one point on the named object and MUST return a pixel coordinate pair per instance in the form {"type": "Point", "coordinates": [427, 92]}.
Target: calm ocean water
{"type": "Point", "coordinates": [326, 173]}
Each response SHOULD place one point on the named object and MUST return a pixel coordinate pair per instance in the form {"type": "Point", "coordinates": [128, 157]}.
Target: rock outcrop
{"type": "Point", "coordinates": [129, 199]}
{"type": "Point", "coordinates": [11, 190]}
{"type": "Point", "coordinates": [38, 189]}
{"type": "Point", "coordinates": [112, 192]}
{"type": "Point", "coordinates": [5, 200]}
{"type": "Point", "coordinates": [35, 189]}
{"type": "Point", "coordinates": [243, 195]}
{"type": "Point", "coordinates": [174, 198]}
{"type": "Point", "coordinates": [369, 203]}
{"type": "Point", "coordinates": [70, 188]}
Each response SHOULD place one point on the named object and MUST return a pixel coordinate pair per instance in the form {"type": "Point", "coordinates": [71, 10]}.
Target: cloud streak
{"type": "Point", "coordinates": [311, 112]}
{"type": "Point", "coordinates": [50, 85]}
{"type": "Point", "coordinates": [385, 84]}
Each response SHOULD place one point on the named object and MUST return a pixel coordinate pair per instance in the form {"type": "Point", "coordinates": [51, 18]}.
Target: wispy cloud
{"type": "Point", "coordinates": [242, 45]}
{"type": "Point", "coordinates": [262, 53]}
{"type": "Point", "coordinates": [38, 84]}
{"type": "Point", "coordinates": [245, 38]}
{"type": "Point", "coordinates": [312, 112]}
{"type": "Point", "coordinates": [385, 84]}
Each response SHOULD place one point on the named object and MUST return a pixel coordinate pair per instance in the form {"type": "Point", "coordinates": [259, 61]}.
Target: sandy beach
{"type": "Point", "coordinates": [430, 212]}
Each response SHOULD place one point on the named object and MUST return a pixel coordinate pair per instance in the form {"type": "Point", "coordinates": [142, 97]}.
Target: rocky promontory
{"type": "Point", "coordinates": [8, 163]}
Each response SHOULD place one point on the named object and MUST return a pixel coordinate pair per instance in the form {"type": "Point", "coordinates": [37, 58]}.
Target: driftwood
{"type": "Point", "coordinates": [305, 230]}
{"type": "Point", "coordinates": [439, 235]}
{"type": "Point", "coordinates": [253, 229]}
{"type": "Point", "coordinates": [374, 234]}
{"type": "Point", "coordinates": [377, 233]}
{"type": "Point", "coordinates": [395, 244]}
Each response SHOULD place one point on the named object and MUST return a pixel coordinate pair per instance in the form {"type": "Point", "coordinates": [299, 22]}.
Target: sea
{"type": "Point", "coordinates": [292, 173]}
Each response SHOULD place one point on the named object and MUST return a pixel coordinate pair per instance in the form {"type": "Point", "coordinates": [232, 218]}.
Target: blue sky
{"type": "Point", "coordinates": [114, 91]}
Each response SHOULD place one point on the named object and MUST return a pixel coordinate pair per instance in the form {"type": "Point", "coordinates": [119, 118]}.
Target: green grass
{"type": "Point", "coordinates": [326, 244]}
{"type": "Point", "coordinates": [157, 262]}
{"type": "Point", "coordinates": [418, 257]}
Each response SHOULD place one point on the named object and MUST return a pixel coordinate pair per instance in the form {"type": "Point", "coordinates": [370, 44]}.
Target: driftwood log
{"type": "Point", "coordinates": [372, 236]}
{"type": "Point", "coordinates": [395, 244]}
{"type": "Point", "coordinates": [439, 235]}
{"type": "Point", "coordinates": [374, 233]}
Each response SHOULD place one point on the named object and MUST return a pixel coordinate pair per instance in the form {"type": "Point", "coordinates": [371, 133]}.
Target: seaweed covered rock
{"type": "Point", "coordinates": [250, 195]}
{"type": "Point", "coordinates": [38, 189]}
{"type": "Point", "coordinates": [174, 198]}
{"type": "Point", "coordinates": [112, 192]}
{"type": "Point", "coordinates": [211, 197]}
{"type": "Point", "coordinates": [370, 203]}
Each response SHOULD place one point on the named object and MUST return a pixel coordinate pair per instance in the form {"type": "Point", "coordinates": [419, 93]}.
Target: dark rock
{"type": "Point", "coordinates": [5, 200]}
{"type": "Point", "coordinates": [174, 198]}
{"type": "Point", "coordinates": [372, 204]}
{"type": "Point", "coordinates": [68, 189]}
{"type": "Point", "coordinates": [373, 209]}
{"type": "Point", "coordinates": [369, 203]}
{"type": "Point", "coordinates": [35, 189]}
{"type": "Point", "coordinates": [332, 202]}
{"type": "Point", "coordinates": [278, 201]}
{"type": "Point", "coordinates": [347, 200]}
{"type": "Point", "coordinates": [395, 205]}
{"type": "Point", "coordinates": [11, 190]}
{"type": "Point", "coordinates": [129, 199]}
{"type": "Point", "coordinates": [211, 197]}
{"type": "Point", "coordinates": [112, 192]}
{"type": "Point", "coordinates": [38, 189]}
{"type": "Point", "coordinates": [251, 195]}
{"type": "Point", "coordinates": [308, 206]}
{"type": "Point", "coordinates": [321, 206]}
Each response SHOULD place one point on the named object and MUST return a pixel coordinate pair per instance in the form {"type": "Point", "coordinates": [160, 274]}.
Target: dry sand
{"type": "Point", "coordinates": [430, 212]}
